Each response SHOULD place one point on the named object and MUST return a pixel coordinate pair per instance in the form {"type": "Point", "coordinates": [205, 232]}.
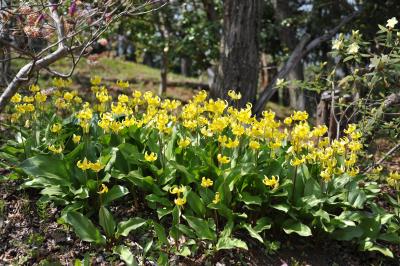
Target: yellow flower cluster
{"type": "Point", "coordinates": [178, 190]}
{"type": "Point", "coordinates": [394, 180]}
{"type": "Point", "coordinates": [85, 165]}
{"type": "Point", "coordinates": [205, 119]}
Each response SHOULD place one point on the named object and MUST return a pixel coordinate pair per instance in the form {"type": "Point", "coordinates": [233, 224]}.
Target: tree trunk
{"type": "Point", "coordinates": [185, 66]}
{"type": "Point", "coordinates": [164, 73]}
{"type": "Point", "coordinates": [287, 34]}
{"type": "Point", "coordinates": [239, 62]}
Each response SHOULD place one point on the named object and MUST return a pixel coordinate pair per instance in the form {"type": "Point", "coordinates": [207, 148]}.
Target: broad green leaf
{"type": "Point", "coordinates": [249, 199]}
{"type": "Point", "coordinates": [126, 255]}
{"type": "Point", "coordinates": [114, 193]}
{"type": "Point", "coordinates": [107, 221]}
{"type": "Point", "coordinates": [357, 198]}
{"type": "Point", "coordinates": [262, 224]}
{"type": "Point", "coordinates": [160, 233]}
{"type": "Point", "coordinates": [390, 237]}
{"type": "Point", "coordinates": [281, 207]}
{"type": "Point", "coordinates": [201, 227]}
{"type": "Point", "coordinates": [253, 233]}
{"type": "Point", "coordinates": [153, 198]}
{"type": "Point", "coordinates": [125, 227]}
{"type": "Point", "coordinates": [84, 228]}
{"type": "Point", "coordinates": [47, 166]}
{"type": "Point", "coordinates": [292, 226]}
{"type": "Point", "coordinates": [230, 243]}
{"type": "Point", "coordinates": [347, 233]}
{"type": "Point", "coordinates": [196, 203]}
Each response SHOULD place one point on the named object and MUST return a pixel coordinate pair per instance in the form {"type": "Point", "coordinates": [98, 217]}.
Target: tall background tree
{"type": "Point", "coordinates": [239, 63]}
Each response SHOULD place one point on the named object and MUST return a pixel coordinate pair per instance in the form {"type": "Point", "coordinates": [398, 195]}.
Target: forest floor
{"type": "Point", "coordinates": [30, 235]}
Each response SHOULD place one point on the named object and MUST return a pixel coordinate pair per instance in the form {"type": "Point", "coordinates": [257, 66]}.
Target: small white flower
{"type": "Point", "coordinates": [337, 44]}
{"type": "Point", "coordinates": [391, 23]}
{"type": "Point", "coordinates": [353, 48]}
{"type": "Point", "coordinates": [279, 82]}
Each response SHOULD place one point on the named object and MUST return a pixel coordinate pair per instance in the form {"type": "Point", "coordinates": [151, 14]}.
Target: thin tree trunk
{"type": "Point", "coordinates": [239, 62]}
{"type": "Point", "coordinates": [164, 74]}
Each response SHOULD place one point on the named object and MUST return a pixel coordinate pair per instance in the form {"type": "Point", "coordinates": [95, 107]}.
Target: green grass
{"type": "Point", "coordinates": [115, 69]}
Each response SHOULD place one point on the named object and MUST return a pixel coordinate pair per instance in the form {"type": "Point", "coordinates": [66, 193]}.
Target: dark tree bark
{"type": "Point", "coordinates": [239, 63]}
{"type": "Point", "coordinates": [209, 8]}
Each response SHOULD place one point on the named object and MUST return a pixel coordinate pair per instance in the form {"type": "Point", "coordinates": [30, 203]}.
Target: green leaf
{"type": "Point", "coordinates": [292, 226]}
{"type": "Point", "coordinates": [281, 207]}
{"type": "Point", "coordinates": [160, 233]}
{"type": "Point", "coordinates": [125, 227]}
{"type": "Point", "coordinates": [253, 233]}
{"type": "Point", "coordinates": [47, 166]}
{"type": "Point", "coordinates": [83, 227]}
{"type": "Point", "coordinates": [357, 198]}
{"type": "Point", "coordinates": [126, 255]}
{"type": "Point", "coordinates": [107, 221]}
{"type": "Point", "coordinates": [249, 199]}
{"type": "Point", "coordinates": [230, 243]}
{"type": "Point", "coordinates": [196, 203]}
{"type": "Point", "coordinates": [201, 227]}
{"type": "Point", "coordinates": [348, 233]}
{"type": "Point", "coordinates": [263, 224]}
{"type": "Point", "coordinates": [390, 237]}
{"type": "Point", "coordinates": [114, 193]}
{"type": "Point", "coordinates": [153, 198]}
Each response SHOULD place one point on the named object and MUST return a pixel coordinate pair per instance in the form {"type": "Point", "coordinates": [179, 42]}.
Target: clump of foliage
{"type": "Point", "coordinates": [205, 170]}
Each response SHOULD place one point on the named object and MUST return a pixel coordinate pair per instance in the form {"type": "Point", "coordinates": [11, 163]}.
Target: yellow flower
{"type": "Point", "coordinates": [55, 128]}
{"type": "Point", "coordinates": [177, 189]}
{"type": "Point", "coordinates": [123, 98]}
{"type": "Point", "coordinates": [353, 171]}
{"type": "Point", "coordinates": [217, 198]}
{"type": "Point", "coordinates": [55, 150]}
{"type": "Point", "coordinates": [97, 166]}
{"type": "Point", "coordinates": [150, 157]}
{"type": "Point", "coordinates": [180, 201]}
{"type": "Point", "coordinates": [232, 143]}
{"type": "Point", "coordinates": [85, 165]}
{"type": "Point", "coordinates": [17, 98]}
{"type": "Point", "coordinates": [393, 179]}
{"type": "Point", "coordinates": [76, 138]}
{"type": "Point", "coordinates": [234, 95]}
{"type": "Point", "coordinates": [122, 85]}
{"type": "Point", "coordinates": [28, 99]}
{"type": "Point", "coordinates": [319, 131]}
{"type": "Point", "coordinates": [355, 146]}
{"type": "Point", "coordinates": [206, 182]}
{"type": "Point", "coordinates": [40, 97]}
{"type": "Point", "coordinates": [223, 159]}
{"type": "Point", "coordinates": [255, 145]}
{"type": "Point", "coordinates": [184, 142]}
{"type": "Point", "coordinates": [272, 182]}
{"type": "Point", "coordinates": [288, 121]}
{"type": "Point", "coordinates": [34, 88]}
{"type": "Point", "coordinates": [297, 161]}
{"type": "Point", "coordinates": [326, 175]}
{"type": "Point", "coordinates": [350, 129]}
{"type": "Point", "coordinates": [95, 80]}
{"type": "Point", "coordinates": [377, 170]}
{"type": "Point", "coordinates": [300, 115]}
{"type": "Point", "coordinates": [68, 96]}
{"type": "Point", "coordinates": [104, 189]}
